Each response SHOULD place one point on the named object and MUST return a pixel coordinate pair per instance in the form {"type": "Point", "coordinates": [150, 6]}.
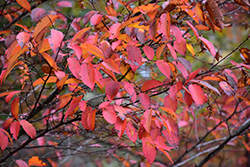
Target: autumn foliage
{"type": "Point", "coordinates": [140, 82]}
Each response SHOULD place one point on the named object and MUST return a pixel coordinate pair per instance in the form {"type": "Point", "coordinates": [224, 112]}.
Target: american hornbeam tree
{"type": "Point", "coordinates": [124, 83]}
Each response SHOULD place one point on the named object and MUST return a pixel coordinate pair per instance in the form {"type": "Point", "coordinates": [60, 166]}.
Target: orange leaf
{"type": "Point", "coordinates": [79, 34]}
{"type": "Point", "coordinates": [36, 161]}
{"type": "Point", "coordinates": [50, 60]}
{"type": "Point", "coordinates": [40, 81]}
{"type": "Point", "coordinates": [93, 50]}
{"type": "Point", "coordinates": [15, 108]}
{"type": "Point", "coordinates": [246, 54]}
{"type": "Point", "coordinates": [91, 119]}
{"type": "Point", "coordinates": [44, 23]}
{"type": "Point", "coordinates": [170, 112]}
{"type": "Point", "coordinates": [25, 4]}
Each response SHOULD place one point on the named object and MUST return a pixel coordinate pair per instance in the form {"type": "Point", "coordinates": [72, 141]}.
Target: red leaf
{"type": "Point", "coordinates": [74, 67]}
{"type": "Point", "coordinates": [4, 139]}
{"type": "Point", "coordinates": [109, 114]}
{"type": "Point", "coordinates": [23, 38]}
{"type": "Point", "coordinates": [21, 163]}
{"type": "Point", "coordinates": [111, 65]}
{"type": "Point", "coordinates": [25, 4]}
{"type": "Point", "coordinates": [37, 14]}
{"type": "Point", "coordinates": [160, 143]}
{"type": "Point", "coordinates": [28, 128]}
{"type": "Point", "coordinates": [131, 132]}
{"type": "Point", "coordinates": [134, 56]}
{"type": "Point", "coordinates": [111, 89]}
{"type": "Point", "coordinates": [87, 17]}
{"type": "Point", "coordinates": [73, 106]}
{"type": "Point", "coordinates": [193, 74]}
{"type": "Point", "coordinates": [197, 94]}
{"type": "Point", "coordinates": [203, 83]}
{"type": "Point", "coordinates": [114, 31]}
{"type": "Point", "coordinates": [77, 49]}
{"type": "Point", "coordinates": [175, 89]}
{"type": "Point", "coordinates": [82, 105]}
{"type": "Point", "coordinates": [226, 88]}
{"type": "Point", "coordinates": [130, 89]}
{"type": "Point", "coordinates": [145, 100]}
{"type": "Point", "coordinates": [146, 121]}
{"type": "Point", "coordinates": [96, 19]}
{"type": "Point", "coordinates": [186, 63]}
{"type": "Point", "coordinates": [188, 99]}
{"type": "Point", "coordinates": [87, 75]}
{"type": "Point", "coordinates": [181, 68]}
{"type": "Point", "coordinates": [180, 47]}
{"type": "Point", "coordinates": [194, 29]}
{"type": "Point", "coordinates": [149, 52]}
{"type": "Point", "coordinates": [84, 119]}
{"type": "Point", "coordinates": [9, 95]}
{"type": "Point", "coordinates": [209, 45]}
{"type": "Point", "coordinates": [64, 4]}
{"type": "Point", "coordinates": [149, 151]}
{"type": "Point", "coordinates": [14, 129]}
{"type": "Point", "coordinates": [153, 29]}
{"type": "Point", "coordinates": [165, 24]}
{"type": "Point", "coordinates": [6, 124]}
{"type": "Point", "coordinates": [55, 39]}
{"type": "Point", "coordinates": [172, 51]}
{"type": "Point", "coordinates": [150, 84]}
{"type": "Point", "coordinates": [164, 68]}
{"type": "Point", "coordinates": [121, 112]}
{"type": "Point", "coordinates": [177, 33]}
{"type": "Point", "coordinates": [170, 103]}
{"type": "Point", "coordinates": [172, 138]}
{"type": "Point", "coordinates": [120, 126]}
{"type": "Point", "coordinates": [15, 108]}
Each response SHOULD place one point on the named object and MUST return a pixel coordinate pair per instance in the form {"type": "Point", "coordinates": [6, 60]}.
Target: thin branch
{"type": "Point", "coordinates": [237, 132]}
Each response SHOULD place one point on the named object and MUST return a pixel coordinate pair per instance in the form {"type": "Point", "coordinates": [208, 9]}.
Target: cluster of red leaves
{"type": "Point", "coordinates": [107, 54]}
